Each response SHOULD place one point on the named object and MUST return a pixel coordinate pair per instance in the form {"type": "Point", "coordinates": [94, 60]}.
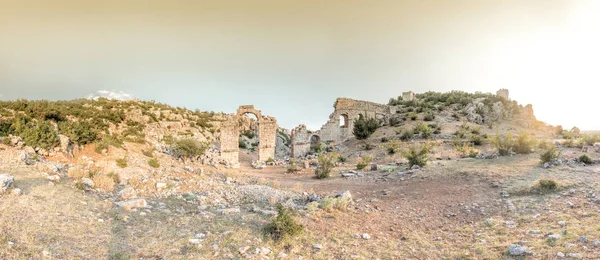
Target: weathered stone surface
{"type": "Point", "coordinates": [230, 132]}
{"type": "Point", "coordinates": [6, 181]}
{"type": "Point", "coordinates": [133, 203]}
{"type": "Point", "coordinates": [518, 250]}
{"type": "Point", "coordinates": [127, 193]}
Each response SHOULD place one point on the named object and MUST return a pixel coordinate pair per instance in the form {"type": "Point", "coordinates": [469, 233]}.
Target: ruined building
{"type": "Point", "coordinates": [408, 96]}
{"type": "Point", "coordinates": [502, 93]}
{"type": "Point", "coordinates": [230, 133]}
{"type": "Point", "coordinates": [341, 122]}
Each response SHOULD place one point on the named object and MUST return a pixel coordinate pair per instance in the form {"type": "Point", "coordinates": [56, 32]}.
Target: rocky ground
{"type": "Point", "coordinates": [451, 209]}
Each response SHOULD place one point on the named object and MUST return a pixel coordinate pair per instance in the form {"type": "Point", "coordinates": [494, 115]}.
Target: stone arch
{"type": "Point", "coordinates": [267, 134]}
{"type": "Point", "coordinates": [315, 138]}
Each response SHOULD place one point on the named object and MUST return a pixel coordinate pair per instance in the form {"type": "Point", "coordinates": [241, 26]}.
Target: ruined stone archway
{"type": "Point", "coordinates": [267, 136]}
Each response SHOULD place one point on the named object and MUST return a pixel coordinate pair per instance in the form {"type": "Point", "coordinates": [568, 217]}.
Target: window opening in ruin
{"type": "Point", "coordinates": [344, 121]}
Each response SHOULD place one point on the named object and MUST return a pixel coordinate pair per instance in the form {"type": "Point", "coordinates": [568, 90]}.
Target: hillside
{"type": "Point", "coordinates": [435, 175]}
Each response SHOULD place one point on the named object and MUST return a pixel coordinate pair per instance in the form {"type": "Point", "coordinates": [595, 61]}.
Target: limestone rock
{"type": "Point", "coordinates": [518, 250]}
{"type": "Point", "coordinates": [6, 181]}
{"type": "Point", "coordinates": [127, 193]}
{"type": "Point", "coordinates": [133, 203]}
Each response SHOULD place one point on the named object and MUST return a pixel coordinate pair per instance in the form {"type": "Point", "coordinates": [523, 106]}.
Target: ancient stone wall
{"type": "Point", "coordinates": [300, 141]}
{"type": "Point", "coordinates": [230, 141]}
{"type": "Point", "coordinates": [230, 132]}
{"type": "Point", "coordinates": [503, 93]}
{"type": "Point", "coordinates": [339, 127]}
{"type": "Point", "coordinates": [408, 96]}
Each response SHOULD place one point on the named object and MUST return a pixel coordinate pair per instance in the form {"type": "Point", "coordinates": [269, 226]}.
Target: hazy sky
{"type": "Point", "coordinates": [292, 59]}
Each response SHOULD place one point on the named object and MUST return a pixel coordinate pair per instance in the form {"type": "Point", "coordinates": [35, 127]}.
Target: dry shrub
{"type": "Point", "coordinates": [104, 182]}
{"type": "Point", "coordinates": [77, 173]}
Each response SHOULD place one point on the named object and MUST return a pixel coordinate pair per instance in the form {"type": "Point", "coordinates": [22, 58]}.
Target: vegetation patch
{"type": "Point", "coordinates": [284, 225]}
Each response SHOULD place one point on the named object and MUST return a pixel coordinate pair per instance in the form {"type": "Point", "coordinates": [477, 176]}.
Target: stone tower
{"type": "Point", "coordinates": [503, 93]}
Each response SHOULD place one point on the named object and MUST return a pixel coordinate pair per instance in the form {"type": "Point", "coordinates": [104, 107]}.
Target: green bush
{"type": "Point", "coordinates": [326, 164]}
{"type": "Point", "coordinates": [284, 225]}
{"type": "Point", "coordinates": [549, 154]}
{"type": "Point", "coordinates": [407, 135]}
{"type": "Point", "coordinates": [122, 162]}
{"type": "Point", "coordinates": [524, 143]}
{"type": "Point", "coordinates": [364, 161]}
{"type": "Point", "coordinates": [364, 128]}
{"type": "Point", "coordinates": [412, 116]}
{"type": "Point", "coordinates": [418, 154]}
{"type": "Point", "coordinates": [547, 185]}
{"type": "Point", "coordinates": [584, 158]}
{"type": "Point", "coordinates": [504, 144]}
{"type": "Point", "coordinates": [429, 116]}
{"type": "Point", "coordinates": [188, 148]}
{"type": "Point", "coordinates": [292, 166]}
{"type": "Point", "coordinates": [342, 159]}
{"type": "Point", "coordinates": [153, 163]}
{"type": "Point", "coordinates": [99, 146]}
{"type": "Point", "coordinates": [80, 132]}
{"type": "Point", "coordinates": [395, 121]}
{"type": "Point", "coordinates": [148, 153]}
{"type": "Point", "coordinates": [249, 133]}
{"type": "Point", "coordinates": [476, 139]}
{"type": "Point", "coordinates": [40, 134]}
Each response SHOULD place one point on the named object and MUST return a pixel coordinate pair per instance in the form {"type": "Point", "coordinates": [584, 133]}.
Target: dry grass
{"type": "Point", "coordinates": [77, 173]}
{"type": "Point", "coordinates": [104, 182]}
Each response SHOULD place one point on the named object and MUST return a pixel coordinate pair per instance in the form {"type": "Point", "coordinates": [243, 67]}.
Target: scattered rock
{"type": "Point", "coordinates": [317, 246]}
{"type": "Point", "coordinates": [596, 243]}
{"type": "Point", "coordinates": [243, 250]}
{"type": "Point", "coordinates": [583, 239]}
{"type": "Point", "coordinates": [366, 236]}
{"type": "Point", "coordinates": [511, 224]}
{"type": "Point", "coordinates": [229, 211]}
{"type": "Point", "coordinates": [570, 204]}
{"type": "Point", "coordinates": [534, 232]}
{"type": "Point", "coordinates": [415, 167]}
{"type": "Point", "coordinates": [554, 237]}
{"type": "Point", "coordinates": [17, 191]}
{"type": "Point", "coordinates": [562, 223]}
{"type": "Point", "coordinates": [195, 241]}
{"type": "Point", "coordinates": [518, 250]}
{"type": "Point", "coordinates": [133, 203]}
{"type": "Point", "coordinates": [127, 193]}
{"type": "Point", "coordinates": [6, 181]}
{"type": "Point", "coordinates": [161, 185]}
{"type": "Point", "coordinates": [87, 182]}
{"type": "Point", "coordinates": [560, 255]}
{"type": "Point", "coordinates": [575, 256]}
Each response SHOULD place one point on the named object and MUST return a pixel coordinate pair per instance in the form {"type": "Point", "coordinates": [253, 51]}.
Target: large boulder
{"type": "Point", "coordinates": [6, 181]}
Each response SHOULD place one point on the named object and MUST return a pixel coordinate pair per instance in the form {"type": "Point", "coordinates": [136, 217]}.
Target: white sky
{"type": "Point", "coordinates": [292, 59]}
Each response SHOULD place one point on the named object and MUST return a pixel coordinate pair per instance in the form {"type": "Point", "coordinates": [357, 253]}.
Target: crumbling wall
{"type": "Point", "coordinates": [229, 141]}
{"type": "Point", "coordinates": [408, 96]}
{"type": "Point", "coordinates": [300, 141]}
{"type": "Point", "coordinates": [336, 130]}
{"type": "Point", "coordinates": [502, 93]}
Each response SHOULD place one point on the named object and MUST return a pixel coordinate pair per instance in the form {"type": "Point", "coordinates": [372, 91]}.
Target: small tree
{"type": "Point", "coordinates": [364, 128]}
{"type": "Point", "coordinates": [418, 154]}
{"type": "Point", "coordinates": [284, 225]}
{"type": "Point", "coordinates": [326, 164]}
{"type": "Point", "coordinates": [364, 161]}
{"type": "Point", "coordinates": [549, 154]}
{"type": "Point", "coordinates": [504, 144]}
{"type": "Point", "coordinates": [188, 148]}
